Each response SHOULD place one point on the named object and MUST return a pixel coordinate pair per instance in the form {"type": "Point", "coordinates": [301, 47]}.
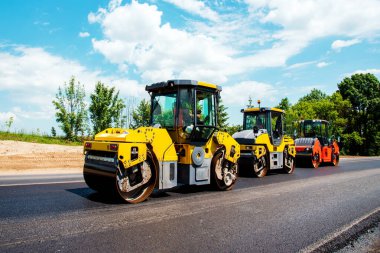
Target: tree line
{"type": "Point", "coordinates": [106, 109]}
{"type": "Point", "coordinates": [353, 111]}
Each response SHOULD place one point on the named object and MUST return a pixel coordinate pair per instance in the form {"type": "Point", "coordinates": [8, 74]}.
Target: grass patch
{"type": "Point", "coordinates": [35, 138]}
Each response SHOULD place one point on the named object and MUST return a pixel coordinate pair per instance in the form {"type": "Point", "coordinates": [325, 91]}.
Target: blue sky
{"type": "Point", "coordinates": [265, 49]}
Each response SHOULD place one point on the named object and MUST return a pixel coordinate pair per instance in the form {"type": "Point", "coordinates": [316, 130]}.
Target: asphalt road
{"type": "Point", "coordinates": [277, 213]}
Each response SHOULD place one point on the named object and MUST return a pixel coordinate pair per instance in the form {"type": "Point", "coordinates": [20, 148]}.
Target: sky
{"type": "Point", "coordinates": [262, 49]}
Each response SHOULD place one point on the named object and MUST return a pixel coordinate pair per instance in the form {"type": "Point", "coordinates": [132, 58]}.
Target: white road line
{"type": "Point", "coordinates": [337, 233]}
{"type": "Point", "coordinates": [42, 183]}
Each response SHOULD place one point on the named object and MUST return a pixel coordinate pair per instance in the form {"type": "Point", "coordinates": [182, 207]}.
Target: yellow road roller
{"type": "Point", "coordinates": [263, 143]}
{"type": "Point", "coordinates": [182, 146]}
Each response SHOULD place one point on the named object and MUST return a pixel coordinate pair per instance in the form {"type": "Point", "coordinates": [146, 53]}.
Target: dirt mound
{"type": "Point", "coordinates": [16, 156]}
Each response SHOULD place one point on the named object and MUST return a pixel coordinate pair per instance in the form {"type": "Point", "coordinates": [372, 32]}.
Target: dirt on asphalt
{"type": "Point", "coordinates": [24, 157]}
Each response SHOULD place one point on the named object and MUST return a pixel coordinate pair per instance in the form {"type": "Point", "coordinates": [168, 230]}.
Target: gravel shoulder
{"type": "Point", "coordinates": [34, 158]}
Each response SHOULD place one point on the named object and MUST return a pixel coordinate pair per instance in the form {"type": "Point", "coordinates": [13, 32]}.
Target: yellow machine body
{"type": "Point", "coordinates": [263, 143]}
{"type": "Point", "coordinates": [160, 144]}
{"type": "Point", "coordinates": [172, 152]}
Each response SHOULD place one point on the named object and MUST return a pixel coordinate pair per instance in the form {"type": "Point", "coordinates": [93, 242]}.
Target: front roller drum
{"type": "Point", "coordinates": [99, 183]}
{"type": "Point", "coordinates": [314, 161]}
{"type": "Point", "coordinates": [260, 167]}
{"type": "Point", "coordinates": [289, 162]}
{"type": "Point", "coordinates": [135, 184]}
{"type": "Point", "coordinates": [289, 165]}
{"type": "Point", "coordinates": [223, 172]}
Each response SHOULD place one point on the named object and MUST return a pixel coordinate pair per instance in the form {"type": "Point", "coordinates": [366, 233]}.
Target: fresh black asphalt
{"type": "Point", "coordinates": [277, 213]}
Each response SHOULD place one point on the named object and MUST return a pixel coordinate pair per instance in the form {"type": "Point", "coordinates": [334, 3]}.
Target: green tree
{"type": "Point", "coordinates": [290, 115]}
{"type": "Point", "coordinates": [314, 95]}
{"type": "Point", "coordinates": [71, 110]}
{"type": "Point", "coordinates": [233, 129]}
{"type": "Point", "coordinates": [106, 108]}
{"type": "Point", "coordinates": [304, 110]}
{"type": "Point", "coordinates": [222, 115]}
{"type": "Point", "coordinates": [284, 104]}
{"type": "Point", "coordinates": [352, 143]}
{"type": "Point", "coordinates": [141, 115]}
{"type": "Point", "coordinates": [9, 123]}
{"type": "Point", "coordinates": [339, 118]}
{"type": "Point", "coordinates": [53, 132]}
{"type": "Point", "coordinates": [317, 105]}
{"type": "Point", "coordinates": [363, 91]}
{"type": "Point", "coordinates": [130, 107]}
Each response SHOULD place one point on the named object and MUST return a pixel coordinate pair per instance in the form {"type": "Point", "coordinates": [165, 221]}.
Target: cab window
{"type": "Point", "coordinates": [205, 109]}
{"type": "Point", "coordinates": [276, 124]}
{"type": "Point", "coordinates": [255, 120]}
{"type": "Point", "coordinates": [186, 108]}
{"type": "Point", "coordinates": [164, 109]}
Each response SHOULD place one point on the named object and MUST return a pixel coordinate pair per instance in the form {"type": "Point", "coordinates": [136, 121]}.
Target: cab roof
{"type": "Point", "coordinates": [262, 109]}
{"type": "Point", "coordinates": [172, 83]}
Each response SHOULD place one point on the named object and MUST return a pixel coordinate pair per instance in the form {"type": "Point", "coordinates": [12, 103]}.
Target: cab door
{"type": "Point", "coordinates": [277, 127]}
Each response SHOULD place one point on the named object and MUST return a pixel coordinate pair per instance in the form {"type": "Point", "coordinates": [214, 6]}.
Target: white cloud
{"type": "Point", "coordinates": [339, 44]}
{"type": "Point", "coordinates": [238, 94]}
{"type": "Point", "coordinates": [43, 114]}
{"type": "Point", "coordinates": [84, 34]}
{"type": "Point", "coordinates": [31, 77]}
{"type": "Point", "coordinates": [113, 4]}
{"type": "Point", "coordinates": [32, 70]}
{"type": "Point", "coordinates": [300, 65]}
{"type": "Point", "coordinates": [196, 7]}
{"type": "Point", "coordinates": [41, 23]}
{"type": "Point", "coordinates": [40, 72]}
{"type": "Point", "coordinates": [320, 18]}
{"type": "Point", "coordinates": [158, 50]}
{"type": "Point", "coordinates": [161, 52]}
{"type": "Point", "coordinates": [5, 116]}
{"type": "Point", "coordinates": [301, 22]}
{"type": "Point", "coordinates": [134, 35]}
{"type": "Point", "coordinates": [275, 56]}
{"type": "Point", "coordinates": [322, 64]}
{"type": "Point", "coordinates": [364, 71]}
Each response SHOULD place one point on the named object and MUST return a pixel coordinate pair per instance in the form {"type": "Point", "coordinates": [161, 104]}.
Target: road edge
{"type": "Point", "coordinates": [341, 237]}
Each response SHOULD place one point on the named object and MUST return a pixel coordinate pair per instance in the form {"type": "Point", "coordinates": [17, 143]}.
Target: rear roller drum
{"type": "Point", "coordinates": [315, 161]}
{"type": "Point", "coordinates": [335, 159]}
{"type": "Point", "coordinates": [223, 173]}
{"type": "Point", "coordinates": [135, 184]}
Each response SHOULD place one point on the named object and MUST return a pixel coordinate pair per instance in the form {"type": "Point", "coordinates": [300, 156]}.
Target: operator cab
{"type": "Point", "coordinates": [186, 108]}
{"type": "Point", "coordinates": [265, 120]}
{"type": "Point", "coordinates": [314, 129]}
